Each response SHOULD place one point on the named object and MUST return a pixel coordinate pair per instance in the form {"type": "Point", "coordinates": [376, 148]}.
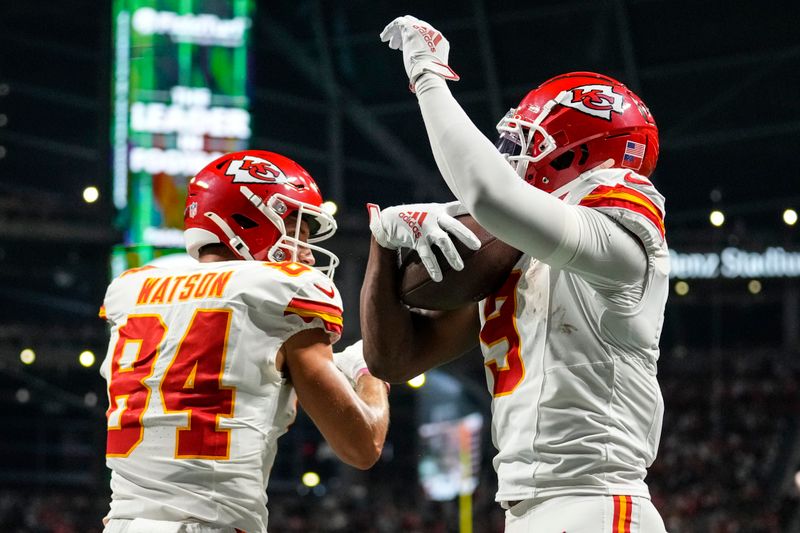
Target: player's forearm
{"type": "Point", "coordinates": [400, 344]}
{"type": "Point", "coordinates": [523, 216]}
{"type": "Point", "coordinates": [386, 325]}
{"type": "Point", "coordinates": [373, 392]}
{"type": "Point", "coordinates": [359, 429]}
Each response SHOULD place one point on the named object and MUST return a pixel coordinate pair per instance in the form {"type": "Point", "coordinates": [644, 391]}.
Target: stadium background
{"type": "Point", "coordinates": [720, 78]}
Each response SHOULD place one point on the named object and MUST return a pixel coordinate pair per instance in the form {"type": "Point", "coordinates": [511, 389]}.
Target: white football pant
{"type": "Point", "coordinates": [584, 514]}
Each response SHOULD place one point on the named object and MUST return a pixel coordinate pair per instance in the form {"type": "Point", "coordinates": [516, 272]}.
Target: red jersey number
{"type": "Point", "coordinates": [192, 383]}
{"type": "Point", "coordinates": [500, 325]}
{"type": "Point", "coordinates": [135, 354]}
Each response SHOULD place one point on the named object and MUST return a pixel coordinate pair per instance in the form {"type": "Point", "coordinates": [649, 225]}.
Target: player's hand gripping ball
{"type": "Point", "coordinates": [484, 272]}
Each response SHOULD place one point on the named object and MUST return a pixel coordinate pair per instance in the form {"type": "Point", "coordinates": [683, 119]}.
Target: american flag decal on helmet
{"type": "Point", "coordinates": [634, 155]}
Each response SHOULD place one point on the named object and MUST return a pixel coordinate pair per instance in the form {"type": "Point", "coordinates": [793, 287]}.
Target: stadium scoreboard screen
{"type": "Point", "coordinates": [179, 101]}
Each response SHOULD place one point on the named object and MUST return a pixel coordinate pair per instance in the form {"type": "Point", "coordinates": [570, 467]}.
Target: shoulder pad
{"type": "Point", "coordinates": [632, 201]}
{"type": "Point", "coordinates": [315, 300]}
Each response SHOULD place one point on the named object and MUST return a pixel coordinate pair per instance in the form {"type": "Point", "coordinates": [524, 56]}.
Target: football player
{"type": "Point", "coordinates": [206, 361]}
{"type": "Point", "coordinates": [570, 341]}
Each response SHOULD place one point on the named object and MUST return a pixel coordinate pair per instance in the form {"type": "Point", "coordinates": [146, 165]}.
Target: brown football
{"type": "Point", "coordinates": [485, 270]}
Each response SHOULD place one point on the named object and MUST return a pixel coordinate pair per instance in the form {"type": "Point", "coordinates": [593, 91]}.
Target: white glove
{"type": "Point", "coordinates": [424, 48]}
{"type": "Point", "coordinates": [351, 362]}
{"type": "Point", "coordinates": [420, 226]}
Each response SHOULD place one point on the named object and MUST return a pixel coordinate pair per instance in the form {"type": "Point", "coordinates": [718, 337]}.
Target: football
{"type": "Point", "coordinates": [485, 270]}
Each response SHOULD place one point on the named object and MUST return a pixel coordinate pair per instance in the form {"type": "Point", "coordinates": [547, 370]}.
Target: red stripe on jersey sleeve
{"type": "Point", "coordinates": [308, 310]}
{"type": "Point", "coordinates": [315, 305]}
{"type": "Point", "coordinates": [626, 198]}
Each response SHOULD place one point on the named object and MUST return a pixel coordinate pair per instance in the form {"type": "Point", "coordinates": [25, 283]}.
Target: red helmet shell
{"type": "Point", "coordinates": [595, 118]}
{"type": "Point", "coordinates": [217, 190]}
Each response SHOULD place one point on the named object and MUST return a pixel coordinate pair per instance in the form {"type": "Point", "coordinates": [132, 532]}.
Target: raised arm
{"type": "Point", "coordinates": [353, 421]}
{"type": "Point", "coordinates": [525, 217]}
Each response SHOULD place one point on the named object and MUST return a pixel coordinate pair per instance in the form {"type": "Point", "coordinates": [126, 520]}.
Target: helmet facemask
{"type": "Point", "coordinates": [322, 226]}
{"type": "Point", "coordinates": [524, 142]}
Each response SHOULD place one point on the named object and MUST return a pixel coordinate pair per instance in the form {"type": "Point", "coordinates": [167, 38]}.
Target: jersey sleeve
{"type": "Point", "coordinates": [317, 303]}
{"type": "Point", "coordinates": [110, 309]}
{"type": "Point", "coordinates": [292, 300]}
{"type": "Point", "coordinates": [634, 203]}
{"type": "Point", "coordinates": [113, 307]}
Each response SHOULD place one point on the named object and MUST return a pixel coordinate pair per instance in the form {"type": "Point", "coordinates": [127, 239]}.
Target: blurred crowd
{"type": "Point", "coordinates": [383, 508]}
{"type": "Point", "coordinates": [51, 511]}
{"type": "Point", "coordinates": [727, 451]}
{"type": "Point", "coordinates": [730, 428]}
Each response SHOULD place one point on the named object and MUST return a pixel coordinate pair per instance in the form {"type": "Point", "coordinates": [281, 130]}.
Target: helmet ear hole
{"type": "Point", "coordinates": [584, 154]}
{"type": "Point", "coordinates": [563, 161]}
{"type": "Point", "coordinates": [243, 221]}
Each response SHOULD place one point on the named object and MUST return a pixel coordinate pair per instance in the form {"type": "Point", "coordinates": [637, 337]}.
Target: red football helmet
{"type": "Point", "coordinates": [242, 199]}
{"type": "Point", "coordinates": [573, 123]}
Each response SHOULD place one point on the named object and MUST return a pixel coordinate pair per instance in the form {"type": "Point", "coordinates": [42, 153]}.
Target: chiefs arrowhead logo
{"type": "Point", "coordinates": [595, 100]}
{"type": "Point", "coordinates": [251, 169]}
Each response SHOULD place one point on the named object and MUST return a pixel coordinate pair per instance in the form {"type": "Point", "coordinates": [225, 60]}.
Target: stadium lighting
{"type": "Point", "coordinates": [790, 217]}
{"type": "Point", "coordinates": [681, 288]}
{"type": "Point", "coordinates": [417, 382]}
{"type": "Point", "coordinates": [23, 395]}
{"type": "Point", "coordinates": [86, 358]}
{"type": "Point", "coordinates": [310, 479]}
{"type": "Point", "coordinates": [717, 218]}
{"type": "Point", "coordinates": [27, 356]}
{"type": "Point", "coordinates": [90, 399]}
{"type": "Point", "coordinates": [330, 207]}
{"type": "Point", "coordinates": [754, 286]}
{"type": "Point", "coordinates": [90, 194]}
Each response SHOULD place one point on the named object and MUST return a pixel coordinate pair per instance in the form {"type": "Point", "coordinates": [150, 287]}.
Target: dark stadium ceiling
{"type": "Point", "coordinates": [719, 76]}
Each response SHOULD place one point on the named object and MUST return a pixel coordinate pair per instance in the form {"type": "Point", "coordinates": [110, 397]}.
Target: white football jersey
{"type": "Point", "coordinates": [571, 360]}
{"type": "Point", "coordinates": [196, 403]}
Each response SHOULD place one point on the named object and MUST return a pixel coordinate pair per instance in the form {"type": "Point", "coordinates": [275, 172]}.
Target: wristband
{"type": "Point", "coordinates": [365, 371]}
